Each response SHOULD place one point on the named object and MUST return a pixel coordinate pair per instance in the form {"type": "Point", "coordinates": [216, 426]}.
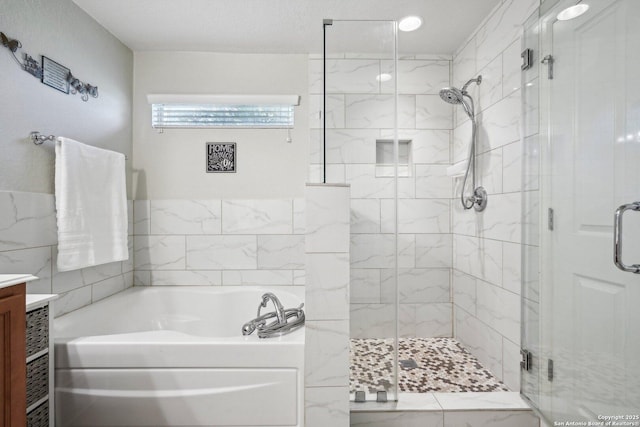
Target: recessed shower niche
{"type": "Point", "coordinates": [385, 157]}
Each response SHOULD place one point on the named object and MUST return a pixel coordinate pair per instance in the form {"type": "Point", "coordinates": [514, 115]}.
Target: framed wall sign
{"type": "Point", "coordinates": [55, 75]}
{"type": "Point", "coordinates": [221, 157]}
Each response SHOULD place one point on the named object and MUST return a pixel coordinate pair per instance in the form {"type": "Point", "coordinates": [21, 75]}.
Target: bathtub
{"type": "Point", "coordinates": [175, 356]}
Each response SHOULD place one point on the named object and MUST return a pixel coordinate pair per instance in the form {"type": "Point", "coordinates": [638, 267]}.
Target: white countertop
{"type": "Point", "coordinates": [7, 280]}
{"type": "Point", "coordinates": [35, 300]}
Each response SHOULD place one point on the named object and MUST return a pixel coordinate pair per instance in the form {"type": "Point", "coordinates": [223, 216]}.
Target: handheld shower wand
{"type": "Point", "coordinates": [452, 95]}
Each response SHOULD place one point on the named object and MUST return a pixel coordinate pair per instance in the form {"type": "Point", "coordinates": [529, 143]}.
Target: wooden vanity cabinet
{"type": "Point", "coordinates": [13, 356]}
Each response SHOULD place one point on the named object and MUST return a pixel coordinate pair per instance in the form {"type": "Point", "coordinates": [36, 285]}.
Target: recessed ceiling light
{"type": "Point", "coordinates": [384, 77]}
{"type": "Point", "coordinates": [410, 23]}
{"type": "Point", "coordinates": [572, 12]}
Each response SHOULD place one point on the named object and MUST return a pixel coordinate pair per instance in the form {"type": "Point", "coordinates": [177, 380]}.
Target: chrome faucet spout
{"type": "Point", "coordinates": [276, 302]}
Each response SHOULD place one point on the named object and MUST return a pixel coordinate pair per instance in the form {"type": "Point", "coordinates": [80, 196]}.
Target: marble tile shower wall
{"type": "Point", "coordinates": [487, 246]}
{"type": "Point", "coordinates": [28, 244]}
{"type": "Point", "coordinates": [219, 242]}
{"type": "Point", "coordinates": [360, 111]}
{"type": "Point", "coordinates": [327, 305]}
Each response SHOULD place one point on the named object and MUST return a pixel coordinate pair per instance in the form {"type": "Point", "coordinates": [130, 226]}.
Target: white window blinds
{"type": "Point", "coordinates": [229, 116]}
{"type": "Point", "coordinates": [235, 111]}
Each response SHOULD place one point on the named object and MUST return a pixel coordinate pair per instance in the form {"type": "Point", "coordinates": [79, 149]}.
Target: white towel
{"type": "Point", "coordinates": [91, 205]}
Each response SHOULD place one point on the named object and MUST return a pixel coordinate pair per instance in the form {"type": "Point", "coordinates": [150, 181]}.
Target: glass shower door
{"type": "Point", "coordinates": [361, 148]}
{"type": "Point", "coordinates": [590, 309]}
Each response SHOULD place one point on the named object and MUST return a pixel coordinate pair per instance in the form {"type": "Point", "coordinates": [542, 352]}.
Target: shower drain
{"type": "Point", "coordinates": [408, 364]}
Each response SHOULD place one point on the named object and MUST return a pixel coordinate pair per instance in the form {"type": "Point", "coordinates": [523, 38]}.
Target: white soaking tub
{"type": "Point", "coordinates": [176, 356]}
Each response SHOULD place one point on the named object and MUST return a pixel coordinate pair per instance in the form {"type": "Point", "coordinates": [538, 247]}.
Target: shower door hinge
{"type": "Point", "coordinates": [550, 370]}
{"type": "Point", "coordinates": [549, 60]}
{"type": "Point", "coordinates": [527, 59]}
{"type": "Point", "coordinates": [525, 359]}
{"type": "Point", "coordinates": [550, 219]}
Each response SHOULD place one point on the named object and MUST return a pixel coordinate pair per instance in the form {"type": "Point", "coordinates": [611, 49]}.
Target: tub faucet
{"type": "Point", "coordinates": [278, 305]}
{"type": "Point", "coordinates": [286, 320]}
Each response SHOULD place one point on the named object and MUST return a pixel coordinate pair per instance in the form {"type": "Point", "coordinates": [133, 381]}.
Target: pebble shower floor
{"type": "Point", "coordinates": [426, 365]}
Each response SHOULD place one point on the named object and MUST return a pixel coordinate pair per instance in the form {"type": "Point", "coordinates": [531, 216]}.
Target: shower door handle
{"type": "Point", "coordinates": [617, 238]}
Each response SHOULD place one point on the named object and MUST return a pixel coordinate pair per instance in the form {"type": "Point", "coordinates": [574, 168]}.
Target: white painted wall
{"type": "Point", "coordinates": [171, 165]}
{"type": "Point", "coordinates": [63, 32]}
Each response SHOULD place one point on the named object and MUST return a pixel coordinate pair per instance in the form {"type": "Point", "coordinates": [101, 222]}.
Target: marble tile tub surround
{"type": "Point", "coordinates": [487, 246]}
{"type": "Point", "coordinates": [219, 242]}
{"type": "Point", "coordinates": [360, 111]}
{"type": "Point", "coordinates": [28, 244]}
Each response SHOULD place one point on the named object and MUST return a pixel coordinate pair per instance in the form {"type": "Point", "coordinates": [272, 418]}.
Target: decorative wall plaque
{"type": "Point", "coordinates": [55, 75]}
{"type": "Point", "coordinates": [221, 157]}
{"type": "Point", "coordinates": [32, 66]}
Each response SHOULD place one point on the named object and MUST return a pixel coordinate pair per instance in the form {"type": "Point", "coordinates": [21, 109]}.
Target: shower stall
{"type": "Point", "coordinates": [545, 292]}
{"type": "Point", "coordinates": [385, 128]}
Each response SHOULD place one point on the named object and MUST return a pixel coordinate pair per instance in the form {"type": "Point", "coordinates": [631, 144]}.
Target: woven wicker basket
{"type": "Point", "coordinates": [37, 330]}
{"type": "Point", "coordinates": [39, 417]}
{"type": "Point", "coordinates": [37, 379]}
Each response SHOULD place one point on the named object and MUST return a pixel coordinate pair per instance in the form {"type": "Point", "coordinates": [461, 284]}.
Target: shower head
{"type": "Point", "coordinates": [451, 95]}
{"type": "Point", "coordinates": [455, 96]}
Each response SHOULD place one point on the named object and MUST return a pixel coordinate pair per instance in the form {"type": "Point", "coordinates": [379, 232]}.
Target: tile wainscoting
{"type": "Point", "coordinates": [29, 245]}
{"type": "Point", "coordinates": [219, 242]}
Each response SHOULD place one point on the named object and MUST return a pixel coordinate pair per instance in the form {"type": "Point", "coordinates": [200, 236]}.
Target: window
{"type": "Point", "coordinates": [227, 116]}
{"type": "Point", "coordinates": [222, 111]}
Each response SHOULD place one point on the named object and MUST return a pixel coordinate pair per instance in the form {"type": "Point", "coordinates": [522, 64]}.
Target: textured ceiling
{"type": "Point", "coordinates": [282, 26]}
